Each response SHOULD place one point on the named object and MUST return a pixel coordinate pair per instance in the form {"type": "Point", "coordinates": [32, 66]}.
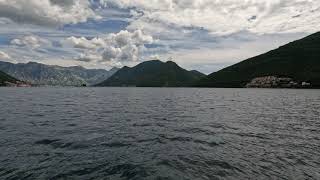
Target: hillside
{"type": "Point", "coordinates": [299, 60]}
{"type": "Point", "coordinates": [153, 74]}
{"type": "Point", "coordinates": [42, 74]}
{"type": "Point", "coordinates": [6, 78]}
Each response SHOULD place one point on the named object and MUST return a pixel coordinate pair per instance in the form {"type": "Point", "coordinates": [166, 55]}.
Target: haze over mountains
{"type": "Point", "coordinates": [41, 74]}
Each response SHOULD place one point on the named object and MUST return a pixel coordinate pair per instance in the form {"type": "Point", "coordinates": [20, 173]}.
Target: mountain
{"type": "Point", "coordinates": [153, 74]}
{"type": "Point", "coordinates": [298, 63]}
{"type": "Point", "coordinates": [4, 78]}
{"type": "Point", "coordinates": [42, 74]}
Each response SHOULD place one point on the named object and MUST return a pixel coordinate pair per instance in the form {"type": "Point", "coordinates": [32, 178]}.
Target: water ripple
{"type": "Point", "coordinates": [159, 133]}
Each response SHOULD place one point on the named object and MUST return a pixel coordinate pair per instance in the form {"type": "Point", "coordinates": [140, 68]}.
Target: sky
{"type": "Point", "coordinates": [205, 35]}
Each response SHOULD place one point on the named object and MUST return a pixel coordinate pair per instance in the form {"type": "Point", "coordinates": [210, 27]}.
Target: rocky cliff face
{"type": "Point", "coordinates": [276, 82]}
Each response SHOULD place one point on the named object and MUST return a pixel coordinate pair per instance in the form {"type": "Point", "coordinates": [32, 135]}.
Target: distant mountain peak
{"type": "Point", "coordinates": [151, 62]}
{"type": "Point", "coordinates": [154, 73]}
{"type": "Point", "coordinates": [31, 62]}
{"type": "Point", "coordinates": [170, 62]}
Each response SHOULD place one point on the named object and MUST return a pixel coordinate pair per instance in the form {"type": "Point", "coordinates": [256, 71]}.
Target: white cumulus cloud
{"type": "Point", "coordinates": [84, 43]}
{"type": "Point", "coordinates": [30, 41]}
{"type": "Point", "coordinates": [119, 47]}
{"type": "Point", "coordinates": [4, 56]}
{"type": "Point", "coordinates": [225, 16]}
{"type": "Point", "coordinates": [46, 12]}
{"type": "Point", "coordinates": [196, 33]}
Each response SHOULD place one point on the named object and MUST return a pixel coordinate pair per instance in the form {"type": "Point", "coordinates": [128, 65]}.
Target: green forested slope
{"type": "Point", "coordinates": [299, 60]}
{"type": "Point", "coordinates": [153, 74]}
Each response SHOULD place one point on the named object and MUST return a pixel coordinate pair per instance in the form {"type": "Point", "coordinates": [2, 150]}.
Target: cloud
{"type": "Point", "coordinates": [201, 34]}
{"type": "Point", "coordinates": [111, 52]}
{"type": "Point", "coordinates": [30, 41]}
{"type": "Point", "coordinates": [84, 43]}
{"type": "Point", "coordinates": [119, 47]}
{"type": "Point", "coordinates": [47, 12]}
{"type": "Point", "coordinates": [194, 31]}
{"type": "Point", "coordinates": [4, 56]}
{"type": "Point", "coordinates": [89, 57]}
{"type": "Point", "coordinates": [221, 17]}
{"type": "Point", "coordinates": [228, 50]}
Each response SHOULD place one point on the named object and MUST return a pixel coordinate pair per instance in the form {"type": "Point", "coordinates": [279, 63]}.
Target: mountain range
{"type": "Point", "coordinates": [153, 73]}
{"type": "Point", "coordinates": [293, 65]}
{"type": "Point", "coordinates": [297, 63]}
{"type": "Point", "coordinates": [41, 74]}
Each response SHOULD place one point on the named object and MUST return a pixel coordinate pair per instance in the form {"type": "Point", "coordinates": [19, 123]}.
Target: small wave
{"type": "Point", "coordinates": [4, 172]}
{"type": "Point", "coordinates": [128, 171]}
{"type": "Point", "coordinates": [46, 141]}
{"type": "Point", "coordinates": [157, 140]}
{"type": "Point", "coordinates": [196, 141]}
{"type": "Point", "coordinates": [116, 144]}
{"type": "Point", "coordinates": [142, 125]}
{"type": "Point", "coordinates": [36, 115]}
{"type": "Point", "coordinates": [80, 172]}
{"type": "Point", "coordinates": [195, 130]}
{"type": "Point", "coordinates": [58, 143]}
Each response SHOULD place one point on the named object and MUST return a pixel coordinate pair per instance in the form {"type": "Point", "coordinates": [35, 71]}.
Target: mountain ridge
{"type": "Point", "coordinates": [53, 75]}
{"type": "Point", "coordinates": [298, 60]}
{"type": "Point", "coordinates": [154, 73]}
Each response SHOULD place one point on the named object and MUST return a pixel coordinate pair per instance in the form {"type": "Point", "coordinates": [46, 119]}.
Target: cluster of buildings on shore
{"type": "Point", "coordinates": [276, 82]}
{"type": "Point", "coordinates": [17, 84]}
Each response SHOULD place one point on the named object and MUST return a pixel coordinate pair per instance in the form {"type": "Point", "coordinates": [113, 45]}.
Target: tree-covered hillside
{"type": "Point", "coordinates": [153, 74]}
{"type": "Point", "coordinates": [299, 60]}
{"type": "Point", "coordinates": [6, 78]}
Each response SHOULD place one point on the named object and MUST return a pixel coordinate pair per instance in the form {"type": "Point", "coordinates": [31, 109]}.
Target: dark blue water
{"type": "Point", "coordinates": [150, 133]}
